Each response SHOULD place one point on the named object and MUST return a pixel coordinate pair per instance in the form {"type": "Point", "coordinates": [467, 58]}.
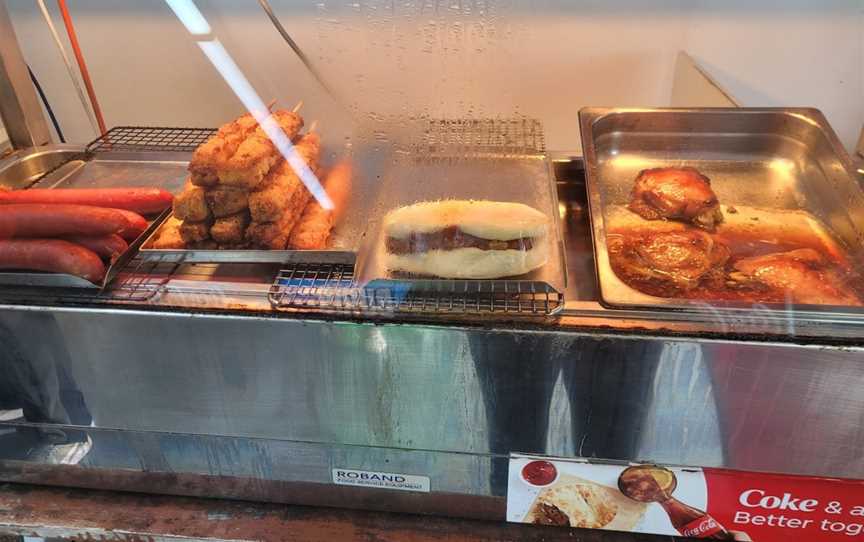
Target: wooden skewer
{"type": "Point", "coordinates": [297, 107]}
{"type": "Point", "coordinates": [270, 104]}
{"type": "Point", "coordinates": [313, 126]}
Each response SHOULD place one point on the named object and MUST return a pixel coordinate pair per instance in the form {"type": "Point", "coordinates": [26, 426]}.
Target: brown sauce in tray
{"type": "Point", "coordinates": [745, 240]}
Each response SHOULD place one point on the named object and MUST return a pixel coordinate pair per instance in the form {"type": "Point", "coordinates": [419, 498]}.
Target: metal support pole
{"type": "Point", "coordinates": [19, 107]}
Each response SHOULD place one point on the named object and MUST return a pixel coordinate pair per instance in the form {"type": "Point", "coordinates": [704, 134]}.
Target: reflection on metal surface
{"type": "Point", "coordinates": [445, 402]}
{"type": "Point", "coordinates": [22, 168]}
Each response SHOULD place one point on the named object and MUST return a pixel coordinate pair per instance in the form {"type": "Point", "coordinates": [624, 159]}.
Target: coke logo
{"type": "Point", "coordinates": [701, 527]}
{"type": "Point", "coordinates": [756, 498]}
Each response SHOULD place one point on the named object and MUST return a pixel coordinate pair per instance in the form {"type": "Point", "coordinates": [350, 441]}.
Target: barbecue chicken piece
{"type": "Point", "coordinates": [802, 275]}
{"type": "Point", "coordinates": [666, 263]}
{"type": "Point", "coordinates": [681, 194]}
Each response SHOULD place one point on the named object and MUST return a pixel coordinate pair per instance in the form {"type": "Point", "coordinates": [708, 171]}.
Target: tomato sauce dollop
{"type": "Point", "coordinates": [539, 473]}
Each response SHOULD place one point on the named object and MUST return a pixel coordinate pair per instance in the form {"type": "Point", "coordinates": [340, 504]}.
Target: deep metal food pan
{"type": "Point", "coordinates": [772, 160]}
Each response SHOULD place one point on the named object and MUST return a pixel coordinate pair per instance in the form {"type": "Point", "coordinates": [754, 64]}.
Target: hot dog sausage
{"type": "Point", "coordinates": [41, 220]}
{"type": "Point", "coordinates": [107, 247]}
{"type": "Point", "coordinates": [141, 200]}
{"type": "Point", "coordinates": [137, 225]}
{"type": "Point", "coordinates": [51, 255]}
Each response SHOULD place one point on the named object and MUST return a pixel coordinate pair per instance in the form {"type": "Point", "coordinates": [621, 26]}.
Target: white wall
{"type": "Point", "coordinates": [543, 58]}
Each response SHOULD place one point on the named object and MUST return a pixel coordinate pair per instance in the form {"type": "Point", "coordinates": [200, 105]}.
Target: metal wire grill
{"type": "Point", "coordinates": [331, 287]}
{"type": "Point", "coordinates": [477, 137]}
{"type": "Point", "coordinates": [139, 281]}
{"type": "Point", "coordinates": [136, 138]}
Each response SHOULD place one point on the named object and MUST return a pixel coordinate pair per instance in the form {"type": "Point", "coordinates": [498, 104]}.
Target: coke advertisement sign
{"type": "Point", "coordinates": [711, 504]}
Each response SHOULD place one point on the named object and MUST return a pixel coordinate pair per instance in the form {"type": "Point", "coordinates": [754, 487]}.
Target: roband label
{"type": "Point", "coordinates": [381, 480]}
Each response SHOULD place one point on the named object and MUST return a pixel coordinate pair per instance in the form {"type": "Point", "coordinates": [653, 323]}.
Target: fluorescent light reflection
{"type": "Point", "coordinates": [190, 16]}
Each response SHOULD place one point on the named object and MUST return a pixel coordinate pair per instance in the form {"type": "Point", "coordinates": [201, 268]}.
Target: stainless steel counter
{"type": "Point", "coordinates": [204, 389]}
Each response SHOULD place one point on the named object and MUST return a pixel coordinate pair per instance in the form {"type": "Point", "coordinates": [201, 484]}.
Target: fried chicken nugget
{"type": "Point", "coordinates": [226, 201]}
{"type": "Point", "coordinates": [313, 229]}
{"type": "Point", "coordinates": [219, 149]}
{"type": "Point", "coordinates": [257, 154]}
{"type": "Point", "coordinates": [279, 193]}
{"type": "Point", "coordinates": [230, 229]}
{"type": "Point", "coordinates": [194, 232]}
{"type": "Point", "coordinates": [272, 235]}
{"type": "Point", "coordinates": [190, 204]}
{"type": "Point", "coordinates": [168, 237]}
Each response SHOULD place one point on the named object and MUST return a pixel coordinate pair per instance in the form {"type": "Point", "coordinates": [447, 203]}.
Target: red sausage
{"type": "Point", "coordinates": [40, 220]}
{"type": "Point", "coordinates": [108, 247]}
{"type": "Point", "coordinates": [137, 225]}
{"type": "Point", "coordinates": [141, 200]}
{"type": "Point", "coordinates": [51, 255]}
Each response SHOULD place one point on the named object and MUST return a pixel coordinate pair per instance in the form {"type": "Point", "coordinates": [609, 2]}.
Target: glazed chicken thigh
{"type": "Point", "coordinates": [666, 263]}
{"type": "Point", "coordinates": [681, 194]}
{"type": "Point", "coordinates": [802, 276]}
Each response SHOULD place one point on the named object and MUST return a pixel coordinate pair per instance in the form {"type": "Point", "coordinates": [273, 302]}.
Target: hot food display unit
{"type": "Point", "coordinates": [659, 333]}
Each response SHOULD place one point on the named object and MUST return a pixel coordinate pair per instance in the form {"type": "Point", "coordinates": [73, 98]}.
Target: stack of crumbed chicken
{"type": "Point", "coordinates": [242, 194]}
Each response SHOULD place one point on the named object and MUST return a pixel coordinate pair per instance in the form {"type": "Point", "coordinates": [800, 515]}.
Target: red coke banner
{"type": "Point", "coordinates": [779, 507]}
{"type": "Point", "coordinates": [715, 504]}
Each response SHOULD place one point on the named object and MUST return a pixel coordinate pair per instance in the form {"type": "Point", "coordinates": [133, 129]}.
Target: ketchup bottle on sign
{"type": "Point", "coordinates": [649, 483]}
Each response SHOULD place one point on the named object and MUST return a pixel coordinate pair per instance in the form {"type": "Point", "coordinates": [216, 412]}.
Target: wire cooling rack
{"type": "Point", "coordinates": [138, 282]}
{"type": "Point", "coordinates": [478, 137]}
{"type": "Point", "coordinates": [331, 288]}
{"type": "Point", "coordinates": [137, 138]}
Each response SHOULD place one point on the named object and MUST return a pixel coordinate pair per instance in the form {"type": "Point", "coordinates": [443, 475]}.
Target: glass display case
{"type": "Point", "coordinates": [419, 238]}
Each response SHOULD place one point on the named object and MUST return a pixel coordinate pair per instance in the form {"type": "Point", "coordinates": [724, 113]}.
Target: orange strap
{"type": "Point", "coordinates": [76, 48]}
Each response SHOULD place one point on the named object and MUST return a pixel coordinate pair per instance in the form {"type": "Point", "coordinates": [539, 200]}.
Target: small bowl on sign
{"type": "Point", "coordinates": [539, 473]}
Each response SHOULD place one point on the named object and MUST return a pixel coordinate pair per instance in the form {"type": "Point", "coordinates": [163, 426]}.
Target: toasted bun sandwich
{"type": "Point", "coordinates": [466, 239]}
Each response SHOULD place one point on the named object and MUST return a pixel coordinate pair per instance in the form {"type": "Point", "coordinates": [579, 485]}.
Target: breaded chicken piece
{"type": "Point", "coordinates": [219, 149]}
{"type": "Point", "coordinates": [257, 154]}
{"type": "Point", "coordinates": [169, 236]}
{"type": "Point", "coordinates": [230, 229]}
{"type": "Point", "coordinates": [190, 205]}
{"type": "Point", "coordinates": [237, 147]}
{"type": "Point", "coordinates": [193, 232]}
{"type": "Point", "coordinates": [204, 179]}
{"type": "Point", "coordinates": [271, 235]}
{"type": "Point", "coordinates": [281, 186]}
{"type": "Point", "coordinates": [313, 229]}
{"type": "Point", "coordinates": [226, 201]}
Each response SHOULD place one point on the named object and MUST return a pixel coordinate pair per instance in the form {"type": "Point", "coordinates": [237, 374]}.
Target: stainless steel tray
{"type": "Point", "coordinates": [344, 239]}
{"type": "Point", "coordinates": [787, 161]}
{"type": "Point", "coordinates": [163, 169]}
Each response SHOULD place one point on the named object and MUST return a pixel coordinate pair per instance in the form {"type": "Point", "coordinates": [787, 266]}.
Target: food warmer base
{"type": "Point", "coordinates": [184, 380]}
